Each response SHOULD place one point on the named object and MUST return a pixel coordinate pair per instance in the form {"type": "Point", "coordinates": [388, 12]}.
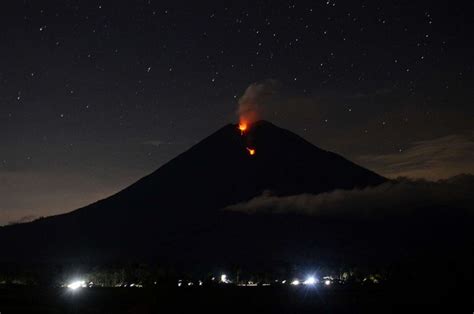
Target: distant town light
{"type": "Point", "coordinates": [310, 281]}
{"type": "Point", "coordinates": [327, 282]}
{"type": "Point", "coordinates": [224, 278]}
{"type": "Point", "coordinates": [74, 285]}
{"type": "Point", "coordinates": [295, 282]}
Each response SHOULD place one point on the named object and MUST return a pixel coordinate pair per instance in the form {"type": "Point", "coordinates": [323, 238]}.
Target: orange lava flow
{"type": "Point", "coordinates": [251, 151]}
{"type": "Point", "coordinates": [243, 127]}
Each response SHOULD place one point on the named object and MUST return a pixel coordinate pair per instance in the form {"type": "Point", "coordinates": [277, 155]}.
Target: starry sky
{"type": "Point", "coordinates": [94, 95]}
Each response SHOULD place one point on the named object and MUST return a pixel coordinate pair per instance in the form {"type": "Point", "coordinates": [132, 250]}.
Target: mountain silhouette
{"type": "Point", "coordinates": [166, 212]}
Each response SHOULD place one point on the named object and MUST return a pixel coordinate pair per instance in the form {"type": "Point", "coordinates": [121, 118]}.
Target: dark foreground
{"type": "Point", "coordinates": [224, 300]}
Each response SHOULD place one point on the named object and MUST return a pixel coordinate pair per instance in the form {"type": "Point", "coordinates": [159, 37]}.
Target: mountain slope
{"type": "Point", "coordinates": [185, 195]}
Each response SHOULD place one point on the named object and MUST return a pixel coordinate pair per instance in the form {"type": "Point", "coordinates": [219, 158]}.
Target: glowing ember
{"type": "Point", "coordinates": [251, 151]}
{"type": "Point", "coordinates": [243, 127]}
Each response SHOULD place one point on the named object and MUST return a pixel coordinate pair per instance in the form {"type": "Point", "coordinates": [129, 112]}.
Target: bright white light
{"type": "Point", "coordinates": [295, 282]}
{"type": "Point", "coordinates": [327, 282]}
{"type": "Point", "coordinates": [76, 284]}
{"type": "Point", "coordinates": [310, 281]}
{"type": "Point", "coordinates": [224, 278]}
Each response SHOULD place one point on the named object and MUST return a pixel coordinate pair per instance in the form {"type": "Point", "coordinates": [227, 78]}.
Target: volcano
{"type": "Point", "coordinates": [177, 209]}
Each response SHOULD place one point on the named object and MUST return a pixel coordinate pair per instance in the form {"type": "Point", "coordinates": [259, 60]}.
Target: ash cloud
{"type": "Point", "coordinates": [253, 104]}
{"type": "Point", "coordinates": [401, 197]}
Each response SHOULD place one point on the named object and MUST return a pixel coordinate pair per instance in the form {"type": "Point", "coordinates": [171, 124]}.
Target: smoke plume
{"type": "Point", "coordinates": [254, 102]}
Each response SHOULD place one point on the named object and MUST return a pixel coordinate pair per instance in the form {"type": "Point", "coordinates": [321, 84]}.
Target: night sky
{"type": "Point", "coordinates": [94, 95]}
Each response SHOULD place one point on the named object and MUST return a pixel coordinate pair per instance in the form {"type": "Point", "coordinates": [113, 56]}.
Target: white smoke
{"type": "Point", "coordinates": [254, 102]}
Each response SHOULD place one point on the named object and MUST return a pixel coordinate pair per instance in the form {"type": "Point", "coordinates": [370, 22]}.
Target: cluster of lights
{"type": "Point", "coordinates": [132, 285]}
{"type": "Point", "coordinates": [249, 283]}
{"type": "Point", "coordinates": [310, 280]}
{"type": "Point", "coordinates": [78, 284]}
{"type": "Point", "coordinates": [223, 279]}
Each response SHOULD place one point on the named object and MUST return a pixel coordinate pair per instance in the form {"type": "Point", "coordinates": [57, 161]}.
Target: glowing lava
{"type": "Point", "coordinates": [251, 151]}
{"type": "Point", "coordinates": [243, 127]}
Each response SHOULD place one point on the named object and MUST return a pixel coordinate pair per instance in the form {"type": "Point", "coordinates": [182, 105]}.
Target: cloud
{"type": "Point", "coordinates": [394, 198]}
{"type": "Point", "coordinates": [434, 159]}
{"type": "Point", "coordinates": [253, 103]}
